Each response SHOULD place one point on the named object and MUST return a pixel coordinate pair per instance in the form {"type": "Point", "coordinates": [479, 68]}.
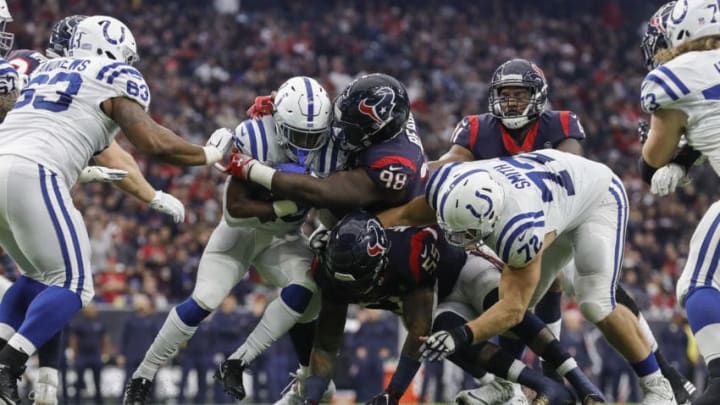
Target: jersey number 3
{"type": "Point", "coordinates": [71, 82]}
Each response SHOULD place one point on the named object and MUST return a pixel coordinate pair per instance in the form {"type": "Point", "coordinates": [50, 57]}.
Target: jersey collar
{"type": "Point", "coordinates": [527, 146]}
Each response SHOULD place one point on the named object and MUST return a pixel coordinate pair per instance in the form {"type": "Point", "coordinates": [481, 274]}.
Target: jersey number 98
{"type": "Point", "coordinates": [393, 180]}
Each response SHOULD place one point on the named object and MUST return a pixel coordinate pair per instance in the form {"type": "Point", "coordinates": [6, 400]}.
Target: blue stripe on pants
{"type": "Point", "coordinates": [73, 235]}
{"type": "Point", "coordinates": [56, 225]}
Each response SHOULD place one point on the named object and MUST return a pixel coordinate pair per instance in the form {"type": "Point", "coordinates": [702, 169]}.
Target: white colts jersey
{"type": "Point", "coordinates": [547, 190]}
{"type": "Point", "coordinates": [258, 138]}
{"type": "Point", "coordinates": [691, 83]}
{"type": "Point", "coordinates": [57, 120]}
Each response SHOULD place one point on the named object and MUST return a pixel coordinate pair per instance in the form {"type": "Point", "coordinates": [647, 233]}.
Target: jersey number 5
{"type": "Point", "coordinates": [72, 82]}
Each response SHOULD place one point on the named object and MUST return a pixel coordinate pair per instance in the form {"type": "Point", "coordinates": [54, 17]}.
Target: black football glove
{"type": "Point", "coordinates": [643, 129]}
{"type": "Point", "coordinates": [383, 398]}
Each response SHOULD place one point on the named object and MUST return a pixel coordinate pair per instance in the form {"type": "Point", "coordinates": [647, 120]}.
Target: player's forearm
{"type": "Point", "coordinates": [134, 183]}
{"type": "Point", "coordinates": [500, 317]}
{"type": "Point", "coordinates": [417, 318]}
{"type": "Point", "coordinates": [173, 149]}
{"type": "Point", "coordinates": [415, 213]}
{"type": "Point", "coordinates": [318, 193]}
{"type": "Point", "coordinates": [247, 208]}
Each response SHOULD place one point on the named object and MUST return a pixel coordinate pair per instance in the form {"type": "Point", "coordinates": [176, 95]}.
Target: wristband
{"type": "Point", "coordinates": [282, 208]}
{"type": "Point", "coordinates": [262, 175]}
{"type": "Point", "coordinates": [315, 387]}
{"type": "Point", "coordinates": [686, 157]}
{"type": "Point", "coordinates": [646, 171]}
{"type": "Point", "coordinates": [212, 154]}
{"type": "Point", "coordinates": [463, 336]}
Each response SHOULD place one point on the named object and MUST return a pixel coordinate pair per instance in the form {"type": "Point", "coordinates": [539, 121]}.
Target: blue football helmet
{"type": "Point", "coordinates": [655, 37]}
{"type": "Point", "coordinates": [518, 73]}
{"type": "Point", "coordinates": [60, 36]}
{"type": "Point", "coordinates": [355, 253]}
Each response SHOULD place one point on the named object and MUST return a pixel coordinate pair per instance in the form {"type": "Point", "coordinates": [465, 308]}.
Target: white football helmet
{"type": "Point", "coordinates": [693, 19]}
{"type": "Point", "coordinates": [103, 36]}
{"type": "Point", "coordinates": [6, 38]}
{"type": "Point", "coordinates": [302, 112]}
{"type": "Point", "coordinates": [470, 204]}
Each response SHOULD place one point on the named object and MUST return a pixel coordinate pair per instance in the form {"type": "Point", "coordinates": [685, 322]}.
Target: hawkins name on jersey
{"type": "Point", "coordinates": [691, 83]}
{"type": "Point", "coordinates": [258, 138]}
{"type": "Point", "coordinates": [545, 191]}
{"type": "Point", "coordinates": [57, 120]}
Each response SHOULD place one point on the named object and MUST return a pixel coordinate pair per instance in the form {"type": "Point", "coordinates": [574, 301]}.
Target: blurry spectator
{"type": "Point", "coordinates": [90, 343]}
{"type": "Point", "coordinates": [374, 343]}
{"type": "Point", "coordinates": [675, 343]}
{"type": "Point", "coordinates": [574, 341]}
{"type": "Point", "coordinates": [229, 326]}
{"type": "Point", "coordinates": [138, 333]}
{"type": "Point", "coordinates": [196, 356]}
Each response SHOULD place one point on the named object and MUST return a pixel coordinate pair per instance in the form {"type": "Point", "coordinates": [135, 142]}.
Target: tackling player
{"type": "Point", "coordinates": [398, 269]}
{"type": "Point", "coordinates": [520, 121]}
{"type": "Point", "coordinates": [45, 143]}
{"type": "Point", "coordinates": [538, 211]}
{"type": "Point", "coordinates": [386, 167]}
{"type": "Point", "coordinates": [256, 230]}
{"type": "Point", "coordinates": [682, 93]}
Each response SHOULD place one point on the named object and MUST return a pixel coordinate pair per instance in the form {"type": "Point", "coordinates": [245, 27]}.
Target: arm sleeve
{"type": "Point", "coordinates": [465, 132]}
{"type": "Point", "coordinates": [249, 140]}
{"type": "Point", "coordinates": [521, 238]}
{"type": "Point", "coordinates": [663, 88]}
{"type": "Point", "coordinates": [423, 258]}
{"type": "Point", "coordinates": [126, 81]}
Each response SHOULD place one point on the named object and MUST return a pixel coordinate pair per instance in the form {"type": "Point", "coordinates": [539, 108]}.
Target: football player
{"type": "Point", "coordinates": [397, 270]}
{"type": "Point", "coordinates": [119, 167]}
{"type": "Point", "coordinates": [386, 167]}
{"type": "Point", "coordinates": [520, 121]}
{"type": "Point", "coordinates": [681, 93]}
{"type": "Point", "coordinates": [45, 142]}
{"type": "Point", "coordinates": [538, 211]}
{"type": "Point", "coordinates": [256, 230]}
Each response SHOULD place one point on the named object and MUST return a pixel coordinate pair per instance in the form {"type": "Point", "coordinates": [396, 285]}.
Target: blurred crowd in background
{"type": "Point", "coordinates": [205, 61]}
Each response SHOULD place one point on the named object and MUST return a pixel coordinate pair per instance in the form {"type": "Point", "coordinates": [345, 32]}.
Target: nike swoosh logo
{"type": "Point", "coordinates": [395, 168]}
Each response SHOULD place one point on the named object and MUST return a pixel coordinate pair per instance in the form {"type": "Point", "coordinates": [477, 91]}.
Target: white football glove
{"type": "Point", "coordinates": [167, 204]}
{"type": "Point", "coordinates": [218, 145]}
{"type": "Point", "coordinates": [445, 342]}
{"type": "Point", "coordinates": [101, 173]}
{"type": "Point", "coordinates": [666, 179]}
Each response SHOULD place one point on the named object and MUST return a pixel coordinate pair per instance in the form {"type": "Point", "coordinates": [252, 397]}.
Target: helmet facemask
{"type": "Point", "coordinates": [6, 40]}
{"type": "Point", "coordinates": [302, 114]}
{"type": "Point", "coordinates": [509, 81]}
{"type": "Point", "coordinates": [655, 38]}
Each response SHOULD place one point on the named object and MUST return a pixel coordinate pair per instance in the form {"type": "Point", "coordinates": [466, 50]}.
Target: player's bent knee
{"type": "Point", "coordinates": [191, 313]}
{"type": "Point", "coordinates": [296, 297]}
{"type": "Point", "coordinates": [312, 310]}
{"type": "Point", "coordinates": [209, 297]}
{"type": "Point", "coordinates": [596, 311]}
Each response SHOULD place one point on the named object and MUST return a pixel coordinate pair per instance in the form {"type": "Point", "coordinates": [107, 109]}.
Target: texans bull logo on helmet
{"type": "Point", "coordinates": [379, 106]}
{"type": "Point", "coordinates": [377, 244]}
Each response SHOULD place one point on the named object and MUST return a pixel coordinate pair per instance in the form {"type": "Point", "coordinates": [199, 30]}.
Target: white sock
{"type": "Point", "coordinates": [556, 328]}
{"type": "Point", "coordinates": [277, 319]}
{"type": "Point", "coordinates": [707, 340]}
{"type": "Point", "coordinates": [515, 369]}
{"type": "Point", "coordinates": [648, 333]}
{"type": "Point", "coordinates": [173, 333]}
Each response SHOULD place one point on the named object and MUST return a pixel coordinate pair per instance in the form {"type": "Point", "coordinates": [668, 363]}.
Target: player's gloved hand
{"type": "Point", "coordinates": [290, 168]}
{"type": "Point", "coordinates": [218, 145]}
{"type": "Point", "coordinates": [446, 342]}
{"type": "Point", "coordinates": [101, 173]}
{"type": "Point", "coordinates": [240, 165]}
{"type": "Point", "coordinates": [319, 239]}
{"type": "Point", "coordinates": [643, 129]}
{"type": "Point", "coordinates": [263, 106]}
{"type": "Point", "coordinates": [666, 179]}
{"type": "Point", "coordinates": [168, 204]}
{"type": "Point", "coordinates": [384, 398]}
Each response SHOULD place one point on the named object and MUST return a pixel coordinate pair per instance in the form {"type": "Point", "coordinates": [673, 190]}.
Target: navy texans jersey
{"type": "Point", "coordinates": [25, 61]}
{"type": "Point", "coordinates": [398, 164]}
{"type": "Point", "coordinates": [418, 258]}
{"type": "Point", "coordinates": [486, 137]}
